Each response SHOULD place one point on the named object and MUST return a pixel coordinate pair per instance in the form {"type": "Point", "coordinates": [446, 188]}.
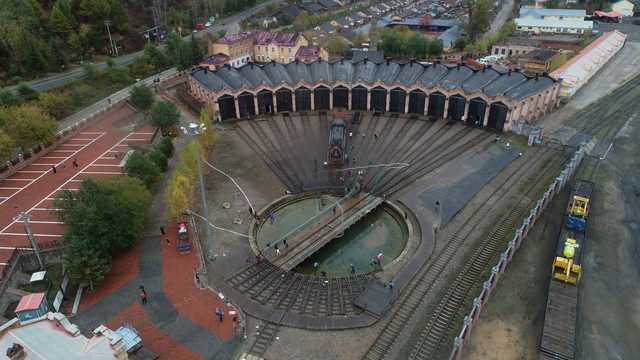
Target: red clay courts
{"type": "Point", "coordinates": [32, 189]}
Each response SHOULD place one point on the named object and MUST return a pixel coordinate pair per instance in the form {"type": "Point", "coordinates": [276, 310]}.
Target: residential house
{"type": "Point", "coordinates": [342, 23]}
{"type": "Point", "coordinates": [262, 46]}
{"type": "Point", "coordinates": [238, 47]}
{"type": "Point", "coordinates": [52, 336]}
{"type": "Point", "coordinates": [265, 21]}
{"type": "Point", "coordinates": [329, 4]}
{"type": "Point", "coordinates": [314, 8]}
{"type": "Point", "coordinates": [553, 14]}
{"type": "Point", "coordinates": [538, 60]}
{"type": "Point", "coordinates": [366, 13]}
{"type": "Point", "coordinates": [450, 36]}
{"type": "Point", "coordinates": [624, 7]}
{"type": "Point", "coordinates": [357, 19]}
{"type": "Point", "coordinates": [312, 53]}
{"type": "Point", "coordinates": [554, 26]}
{"type": "Point", "coordinates": [327, 28]}
{"type": "Point", "coordinates": [281, 47]}
{"type": "Point", "coordinates": [215, 61]}
{"type": "Point", "coordinates": [293, 11]}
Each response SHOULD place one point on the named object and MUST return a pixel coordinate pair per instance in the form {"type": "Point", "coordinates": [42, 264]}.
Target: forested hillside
{"type": "Point", "coordinates": [41, 36]}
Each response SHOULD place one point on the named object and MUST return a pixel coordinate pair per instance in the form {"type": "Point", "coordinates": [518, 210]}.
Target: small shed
{"type": "Point", "coordinates": [40, 281]}
{"type": "Point", "coordinates": [624, 7]}
{"type": "Point", "coordinates": [32, 306]}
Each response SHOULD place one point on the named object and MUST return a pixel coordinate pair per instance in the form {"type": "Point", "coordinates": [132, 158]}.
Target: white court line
{"type": "Point", "coordinates": [10, 188]}
{"type": "Point", "coordinates": [30, 171]}
{"type": "Point", "coordinates": [102, 173]}
{"type": "Point", "coordinates": [17, 180]}
{"type": "Point", "coordinates": [64, 150]}
{"type": "Point", "coordinates": [44, 222]}
{"type": "Point", "coordinates": [55, 191]}
{"type": "Point", "coordinates": [23, 234]}
{"type": "Point", "coordinates": [11, 248]}
{"type": "Point", "coordinates": [104, 165]}
{"type": "Point", "coordinates": [36, 179]}
{"type": "Point", "coordinates": [53, 157]}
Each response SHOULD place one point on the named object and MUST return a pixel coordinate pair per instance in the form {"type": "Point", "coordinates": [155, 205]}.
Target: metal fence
{"type": "Point", "coordinates": [497, 271]}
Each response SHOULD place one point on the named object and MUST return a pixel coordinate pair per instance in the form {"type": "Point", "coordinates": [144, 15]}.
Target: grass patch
{"type": "Point", "coordinates": [54, 272]}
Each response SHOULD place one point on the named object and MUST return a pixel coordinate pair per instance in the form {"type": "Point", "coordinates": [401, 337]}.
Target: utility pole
{"type": "Point", "coordinates": [155, 22]}
{"type": "Point", "coordinates": [36, 249]}
{"type": "Point", "coordinates": [194, 130]}
{"type": "Point", "coordinates": [107, 22]}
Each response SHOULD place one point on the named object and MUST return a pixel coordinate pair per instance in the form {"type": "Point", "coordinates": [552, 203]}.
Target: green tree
{"type": "Point", "coordinates": [435, 48]}
{"type": "Point", "coordinates": [104, 215]}
{"type": "Point", "coordinates": [85, 265]}
{"type": "Point", "coordinates": [29, 126]}
{"type": "Point", "coordinates": [75, 46]}
{"type": "Point", "coordinates": [58, 59]}
{"type": "Point", "coordinates": [507, 29]}
{"type": "Point", "coordinates": [165, 114]}
{"type": "Point", "coordinates": [94, 12]}
{"type": "Point", "coordinates": [8, 99]}
{"type": "Point", "coordinates": [285, 20]}
{"type": "Point", "coordinates": [118, 74]}
{"type": "Point", "coordinates": [89, 70]}
{"type": "Point", "coordinates": [166, 146]}
{"type": "Point", "coordinates": [462, 42]}
{"type": "Point", "coordinates": [479, 16]}
{"type": "Point", "coordinates": [26, 91]}
{"type": "Point", "coordinates": [6, 145]}
{"type": "Point", "coordinates": [196, 49]}
{"type": "Point", "coordinates": [62, 21]}
{"type": "Point", "coordinates": [142, 167]}
{"type": "Point", "coordinates": [159, 159]}
{"type": "Point", "coordinates": [54, 103]}
{"type": "Point", "coordinates": [142, 67]}
{"type": "Point", "coordinates": [35, 62]}
{"type": "Point", "coordinates": [551, 4]}
{"type": "Point", "coordinates": [361, 38]}
{"type": "Point", "coordinates": [155, 56]}
{"type": "Point", "coordinates": [141, 96]}
{"type": "Point", "coordinates": [338, 44]}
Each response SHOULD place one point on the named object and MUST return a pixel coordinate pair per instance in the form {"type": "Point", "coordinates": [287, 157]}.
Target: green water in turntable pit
{"type": "Point", "coordinates": [379, 232]}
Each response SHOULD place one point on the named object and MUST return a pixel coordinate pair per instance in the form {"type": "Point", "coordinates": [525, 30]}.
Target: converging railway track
{"type": "Point", "coordinates": [447, 312]}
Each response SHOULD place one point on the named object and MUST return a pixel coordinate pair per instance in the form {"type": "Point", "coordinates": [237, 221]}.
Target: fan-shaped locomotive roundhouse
{"type": "Point", "coordinates": [492, 98]}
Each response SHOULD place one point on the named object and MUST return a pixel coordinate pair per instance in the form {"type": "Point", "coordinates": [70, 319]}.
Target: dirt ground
{"type": "Point", "coordinates": [608, 322]}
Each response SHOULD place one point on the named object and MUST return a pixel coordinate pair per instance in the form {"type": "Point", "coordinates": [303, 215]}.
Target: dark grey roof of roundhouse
{"type": "Point", "coordinates": [491, 82]}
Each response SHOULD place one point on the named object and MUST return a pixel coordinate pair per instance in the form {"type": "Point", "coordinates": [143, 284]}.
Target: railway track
{"type": "Point", "coordinates": [404, 310]}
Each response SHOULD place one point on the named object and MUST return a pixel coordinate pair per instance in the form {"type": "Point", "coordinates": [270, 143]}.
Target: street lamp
{"type": "Point", "coordinates": [194, 130]}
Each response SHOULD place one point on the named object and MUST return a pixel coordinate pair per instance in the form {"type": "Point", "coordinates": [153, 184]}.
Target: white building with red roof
{"type": "Point", "coordinates": [577, 71]}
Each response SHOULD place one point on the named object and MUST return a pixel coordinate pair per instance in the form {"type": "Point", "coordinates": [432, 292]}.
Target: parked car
{"type": "Point", "coordinates": [207, 24]}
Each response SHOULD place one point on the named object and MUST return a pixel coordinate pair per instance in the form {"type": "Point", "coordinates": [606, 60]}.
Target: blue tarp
{"type": "Point", "coordinates": [576, 223]}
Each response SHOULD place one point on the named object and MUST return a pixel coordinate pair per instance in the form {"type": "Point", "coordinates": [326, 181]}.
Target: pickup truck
{"type": "Point", "coordinates": [184, 242]}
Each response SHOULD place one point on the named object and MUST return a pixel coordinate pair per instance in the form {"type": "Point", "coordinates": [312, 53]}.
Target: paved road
{"type": "Point", "coordinates": [503, 15]}
{"type": "Point", "coordinates": [229, 24]}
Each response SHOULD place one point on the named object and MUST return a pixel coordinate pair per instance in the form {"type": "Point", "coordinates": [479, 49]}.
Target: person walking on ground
{"type": "Point", "coordinates": [64, 166]}
{"type": "Point", "coordinates": [353, 269]}
{"type": "Point", "coordinates": [275, 246]}
{"type": "Point", "coordinates": [54, 169]}
{"type": "Point", "coordinates": [379, 257]}
{"type": "Point", "coordinates": [375, 136]}
{"type": "Point", "coordinates": [271, 216]}
{"type": "Point", "coordinates": [363, 135]}
{"type": "Point", "coordinates": [315, 265]}
{"type": "Point", "coordinates": [391, 287]}
{"type": "Point", "coordinates": [109, 101]}
{"type": "Point", "coordinates": [350, 135]}
{"type": "Point", "coordinates": [162, 230]}
{"type": "Point", "coordinates": [284, 242]}
{"type": "Point", "coordinates": [277, 252]}
{"type": "Point", "coordinates": [507, 145]}
{"type": "Point", "coordinates": [334, 211]}
{"type": "Point", "coordinates": [259, 259]}
{"type": "Point", "coordinates": [168, 241]}
{"type": "Point", "coordinates": [143, 297]}
{"type": "Point", "coordinates": [323, 273]}
{"type": "Point", "coordinates": [141, 287]}
{"type": "Point", "coordinates": [406, 215]}
{"type": "Point", "coordinates": [75, 162]}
